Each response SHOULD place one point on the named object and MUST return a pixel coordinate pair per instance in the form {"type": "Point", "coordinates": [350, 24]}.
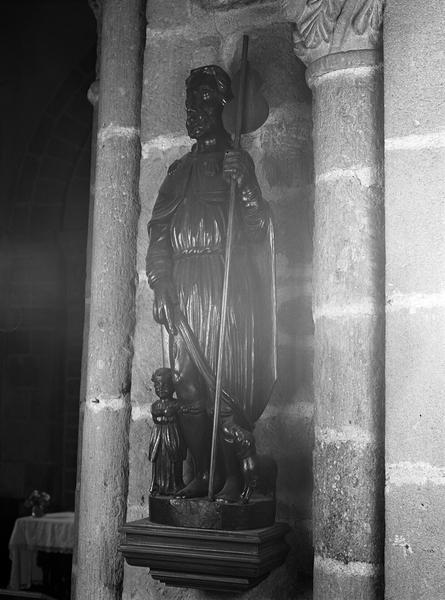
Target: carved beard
{"type": "Point", "coordinates": [201, 123]}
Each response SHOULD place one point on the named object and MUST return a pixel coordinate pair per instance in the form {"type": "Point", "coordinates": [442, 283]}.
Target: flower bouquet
{"type": "Point", "coordinates": [38, 503]}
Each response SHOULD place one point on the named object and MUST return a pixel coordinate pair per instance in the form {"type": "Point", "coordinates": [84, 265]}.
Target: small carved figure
{"type": "Point", "coordinates": [167, 449]}
{"type": "Point", "coordinates": [185, 268]}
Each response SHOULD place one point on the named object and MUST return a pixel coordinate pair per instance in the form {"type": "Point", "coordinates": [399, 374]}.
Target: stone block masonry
{"type": "Point", "coordinates": [355, 235]}
{"type": "Point", "coordinates": [415, 300]}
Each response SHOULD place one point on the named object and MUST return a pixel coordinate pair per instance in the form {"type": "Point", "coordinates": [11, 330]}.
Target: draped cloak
{"type": "Point", "coordinates": [187, 234]}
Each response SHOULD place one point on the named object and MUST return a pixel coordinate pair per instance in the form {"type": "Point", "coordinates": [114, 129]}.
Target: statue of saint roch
{"type": "Point", "coordinates": [210, 264]}
{"type": "Point", "coordinates": [185, 268]}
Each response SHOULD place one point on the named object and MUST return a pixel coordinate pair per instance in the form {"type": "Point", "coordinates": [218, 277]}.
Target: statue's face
{"type": "Point", "coordinates": [163, 386]}
{"type": "Point", "coordinates": [203, 110]}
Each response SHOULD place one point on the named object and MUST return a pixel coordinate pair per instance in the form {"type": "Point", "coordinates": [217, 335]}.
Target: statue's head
{"type": "Point", "coordinates": [163, 382]}
{"type": "Point", "coordinates": [208, 89]}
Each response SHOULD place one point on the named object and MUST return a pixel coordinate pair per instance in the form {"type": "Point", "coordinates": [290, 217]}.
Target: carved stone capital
{"type": "Point", "coordinates": [325, 27]}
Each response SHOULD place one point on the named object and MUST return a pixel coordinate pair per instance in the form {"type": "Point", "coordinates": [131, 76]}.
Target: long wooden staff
{"type": "Point", "coordinates": [228, 258]}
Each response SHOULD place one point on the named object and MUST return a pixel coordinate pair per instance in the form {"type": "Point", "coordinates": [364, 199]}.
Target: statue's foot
{"type": "Point", "coordinates": [197, 488]}
{"type": "Point", "coordinates": [231, 491]}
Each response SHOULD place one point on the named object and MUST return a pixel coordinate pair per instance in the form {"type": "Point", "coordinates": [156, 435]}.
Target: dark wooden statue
{"type": "Point", "coordinates": [167, 449]}
{"type": "Point", "coordinates": [185, 268]}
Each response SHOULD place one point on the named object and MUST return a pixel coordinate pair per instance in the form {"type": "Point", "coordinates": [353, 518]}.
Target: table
{"type": "Point", "coordinates": [54, 532]}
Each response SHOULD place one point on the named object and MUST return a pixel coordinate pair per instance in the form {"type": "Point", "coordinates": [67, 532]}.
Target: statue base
{"type": "Point", "coordinates": [201, 513]}
{"type": "Point", "coordinates": [224, 561]}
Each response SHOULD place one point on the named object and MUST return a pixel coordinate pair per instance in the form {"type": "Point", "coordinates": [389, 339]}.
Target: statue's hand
{"type": "Point", "coordinates": [239, 165]}
{"type": "Point", "coordinates": [164, 304]}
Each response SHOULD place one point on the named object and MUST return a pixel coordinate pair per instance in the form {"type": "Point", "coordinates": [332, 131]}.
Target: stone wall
{"type": "Point", "coordinates": [181, 36]}
{"type": "Point", "coordinates": [415, 298]}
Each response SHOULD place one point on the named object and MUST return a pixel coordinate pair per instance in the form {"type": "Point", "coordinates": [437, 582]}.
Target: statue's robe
{"type": "Point", "coordinates": [187, 244]}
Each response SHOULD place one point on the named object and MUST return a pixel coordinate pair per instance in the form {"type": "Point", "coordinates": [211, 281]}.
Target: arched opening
{"type": "Point", "coordinates": [44, 183]}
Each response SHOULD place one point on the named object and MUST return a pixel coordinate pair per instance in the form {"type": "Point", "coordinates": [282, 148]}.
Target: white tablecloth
{"type": "Point", "coordinates": [53, 532]}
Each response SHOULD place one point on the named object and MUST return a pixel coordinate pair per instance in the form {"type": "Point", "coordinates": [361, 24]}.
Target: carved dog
{"type": "Point", "coordinates": [259, 475]}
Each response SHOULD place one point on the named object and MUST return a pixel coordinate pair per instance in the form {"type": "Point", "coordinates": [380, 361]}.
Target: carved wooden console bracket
{"type": "Point", "coordinates": [230, 561]}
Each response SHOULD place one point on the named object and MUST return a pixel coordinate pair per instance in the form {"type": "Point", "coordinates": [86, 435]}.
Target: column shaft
{"type": "Point", "coordinates": [106, 413]}
{"type": "Point", "coordinates": [93, 96]}
{"type": "Point", "coordinates": [349, 328]}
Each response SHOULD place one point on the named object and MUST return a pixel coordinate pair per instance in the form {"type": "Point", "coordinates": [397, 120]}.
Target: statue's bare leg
{"type": "Point", "coordinates": [231, 490]}
{"type": "Point", "coordinates": [193, 418]}
{"type": "Point", "coordinates": [195, 428]}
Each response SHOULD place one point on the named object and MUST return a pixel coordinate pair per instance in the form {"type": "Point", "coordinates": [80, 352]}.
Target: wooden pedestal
{"type": "Point", "coordinates": [200, 513]}
{"type": "Point", "coordinates": [204, 558]}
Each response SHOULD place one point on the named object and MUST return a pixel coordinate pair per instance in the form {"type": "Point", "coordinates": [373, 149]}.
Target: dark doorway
{"type": "Point", "coordinates": [48, 62]}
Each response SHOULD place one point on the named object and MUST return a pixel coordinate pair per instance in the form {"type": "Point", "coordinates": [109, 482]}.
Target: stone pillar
{"type": "Point", "coordinates": [415, 299]}
{"type": "Point", "coordinates": [93, 97]}
{"type": "Point", "coordinates": [340, 44]}
{"type": "Point", "coordinates": [106, 413]}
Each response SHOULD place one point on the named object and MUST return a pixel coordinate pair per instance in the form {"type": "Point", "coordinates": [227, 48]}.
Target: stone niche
{"type": "Point", "coordinates": [189, 36]}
